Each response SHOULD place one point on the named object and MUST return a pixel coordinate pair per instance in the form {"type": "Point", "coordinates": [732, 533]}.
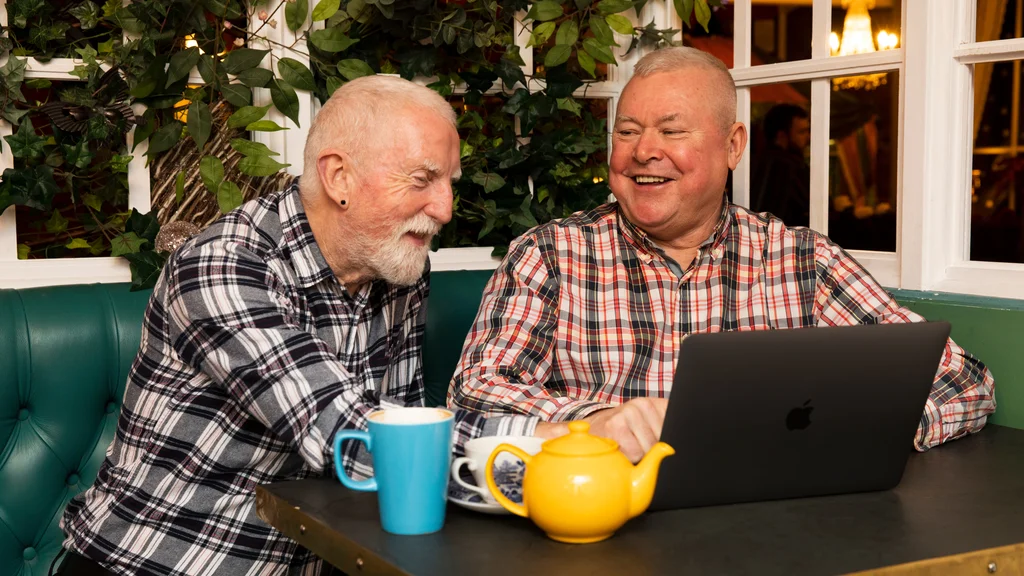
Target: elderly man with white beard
{"type": "Point", "coordinates": [289, 319]}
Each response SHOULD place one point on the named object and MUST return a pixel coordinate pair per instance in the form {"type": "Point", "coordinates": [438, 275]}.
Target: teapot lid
{"type": "Point", "coordinates": [579, 442]}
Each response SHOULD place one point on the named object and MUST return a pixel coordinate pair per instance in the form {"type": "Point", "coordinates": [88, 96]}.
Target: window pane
{"type": "Point", "coordinates": [77, 152]}
{"type": "Point", "coordinates": [863, 137]}
{"type": "Point", "coordinates": [998, 20]}
{"type": "Point", "coordinates": [859, 28]}
{"type": "Point", "coordinates": [780, 33]}
{"type": "Point", "coordinates": [997, 188]}
{"type": "Point", "coordinates": [717, 39]}
{"type": "Point", "coordinates": [780, 135]}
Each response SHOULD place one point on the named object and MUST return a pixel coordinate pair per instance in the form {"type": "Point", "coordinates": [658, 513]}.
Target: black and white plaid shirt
{"type": "Point", "coordinates": [252, 356]}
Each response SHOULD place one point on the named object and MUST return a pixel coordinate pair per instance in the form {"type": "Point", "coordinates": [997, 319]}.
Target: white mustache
{"type": "Point", "coordinates": [421, 225]}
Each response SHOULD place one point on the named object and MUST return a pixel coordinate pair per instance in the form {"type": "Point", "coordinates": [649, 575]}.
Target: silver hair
{"type": "Point", "coordinates": [360, 110]}
{"type": "Point", "coordinates": [678, 58]}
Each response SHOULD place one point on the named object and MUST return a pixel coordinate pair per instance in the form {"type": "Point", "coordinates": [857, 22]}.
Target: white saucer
{"type": "Point", "coordinates": [472, 501]}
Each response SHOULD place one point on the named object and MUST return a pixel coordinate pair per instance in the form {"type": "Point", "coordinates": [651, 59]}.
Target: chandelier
{"type": "Point", "coordinates": [858, 39]}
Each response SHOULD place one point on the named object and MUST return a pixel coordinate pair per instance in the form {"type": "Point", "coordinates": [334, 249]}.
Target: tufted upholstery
{"type": "Point", "coordinates": [65, 352]}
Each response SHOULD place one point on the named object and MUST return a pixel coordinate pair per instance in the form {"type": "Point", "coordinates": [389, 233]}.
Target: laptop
{"type": "Point", "coordinates": [774, 414]}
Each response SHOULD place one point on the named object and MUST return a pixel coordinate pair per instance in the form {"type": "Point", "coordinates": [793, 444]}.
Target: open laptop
{"type": "Point", "coordinates": [764, 415]}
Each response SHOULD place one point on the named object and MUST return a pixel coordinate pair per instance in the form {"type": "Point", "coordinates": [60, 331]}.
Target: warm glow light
{"type": "Point", "coordinates": [598, 179]}
{"type": "Point", "coordinates": [857, 39]}
{"type": "Point", "coordinates": [190, 42]}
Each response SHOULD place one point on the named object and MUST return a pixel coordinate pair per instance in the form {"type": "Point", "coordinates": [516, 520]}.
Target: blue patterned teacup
{"type": "Point", "coordinates": [508, 470]}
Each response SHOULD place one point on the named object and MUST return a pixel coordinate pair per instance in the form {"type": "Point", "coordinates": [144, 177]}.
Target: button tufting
{"type": "Point", "coordinates": [111, 406]}
{"type": "Point", "coordinates": [23, 414]}
{"type": "Point", "coordinates": [73, 479]}
{"type": "Point", "coordinates": [29, 554]}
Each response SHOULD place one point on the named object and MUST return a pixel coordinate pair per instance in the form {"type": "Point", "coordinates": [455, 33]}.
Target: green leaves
{"type": "Point", "coordinates": [489, 180]}
{"type": "Point", "coordinates": [143, 225]}
{"type": "Point", "coordinates": [181, 64]}
{"type": "Point", "coordinates": [78, 154]}
{"type": "Point", "coordinates": [145, 267]}
{"type": "Point", "coordinates": [25, 143]}
{"type": "Point", "coordinates": [264, 126]}
{"type": "Point", "coordinates": [325, 9]}
{"type": "Point", "coordinates": [238, 95]}
{"type": "Point", "coordinates": [570, 104]}
{"type": "Point", "coordinates": [200, 122]}
{"type": "Point", "coordinates": [620, 24]}
{"type": "Point", "coordinates": [352, 69]}
{"type": "Point", "coordinates": [602, 32]}
{"type": "Point", "coordinates": [247, 115]}
{"type": "Point", "coordinates": [256, 77]}
{"type": "Point", "coordinates": [295, 14]}
{"type": "Point", "coordinates": [330, 40]}
{"type": "Point", "coordinates": [241, 59]}
{"type": "Point", "coordinates": [599, 52]}
{"type": "Point", "coordinates": [285, 99]}
{"type": "Point", "coordinates": [179, 187]}
{"type": "Point", "coordinates": [587, 62]}
{"type": "Point", "coordinates": [260, 166]}
{"type": "Point", "coordinates": [211, 170]}
{"type": "Point", "coordinates": [250, 148]}
{"type": "Point", "coordinates": [57, 223]}
{"type": "Point", "coordinates": [545, 10]}
{"type": "Point", "coordinates": [229, 196]}
{"type": "Point", "coordinates": [127, 243]}
{"type": "Point", "coordinates": [33, 187]}
{"type": "Point", "coordinates": [684, 8]}
{"type": "Point", "coordinates": [296, 73]}
{"type": "Point", "coordinates": [165, 138]}
{"type": "Point", "coordinates": [557, 55]}
{"type": "Point", "coordinates": [541, 33]}
{"type": "Point", "coordinates": [613, 6]}
{"type": "Point", "coordinates": [568, 33]}
{"type": "Point", "coordinates": [88, 14]}
{"type": "Point", "coordinates": [703, 12]}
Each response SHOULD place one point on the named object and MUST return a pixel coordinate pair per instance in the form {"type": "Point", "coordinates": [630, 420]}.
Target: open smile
{"type": "Point", "coordinates": [646, 180]}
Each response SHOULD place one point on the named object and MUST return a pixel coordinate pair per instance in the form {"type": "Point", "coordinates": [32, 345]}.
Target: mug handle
{"type": "Point", "coordinates": [517, 509]}
{"type": "Point", "coordinates": [368, 485]}
{"type": "Point", "coordinates": [456, 465]}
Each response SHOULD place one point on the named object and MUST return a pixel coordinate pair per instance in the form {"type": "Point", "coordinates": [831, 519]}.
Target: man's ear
{"type": "Point", "coordinates": [737, 144]}
{"type": "Point", "coordinates": [334, 169]}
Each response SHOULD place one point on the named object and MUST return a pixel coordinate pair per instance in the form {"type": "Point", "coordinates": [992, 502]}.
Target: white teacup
{"type": "Point", "coordinates": [508, 470]}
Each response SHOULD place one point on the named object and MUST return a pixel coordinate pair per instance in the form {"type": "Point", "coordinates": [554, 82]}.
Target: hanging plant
{"type": "Point", "coordinates": [531, 149]}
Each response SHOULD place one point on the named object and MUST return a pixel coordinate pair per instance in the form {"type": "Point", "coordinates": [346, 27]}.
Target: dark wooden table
{"type": "Point", "coordinates": [966, 497]}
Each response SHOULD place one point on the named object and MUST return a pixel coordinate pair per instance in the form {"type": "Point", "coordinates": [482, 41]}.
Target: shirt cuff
{"type": "Point", "coordinates": [510, 426]}
{"type": "Point", "coordinates": [578, 410]}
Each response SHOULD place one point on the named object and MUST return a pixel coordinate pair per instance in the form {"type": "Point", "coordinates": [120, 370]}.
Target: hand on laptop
{"type": "Point", "coordinates": [635, 425]}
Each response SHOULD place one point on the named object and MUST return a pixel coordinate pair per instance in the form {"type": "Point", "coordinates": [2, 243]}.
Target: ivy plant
{"type": "Point", "coordinates": [532, 148]}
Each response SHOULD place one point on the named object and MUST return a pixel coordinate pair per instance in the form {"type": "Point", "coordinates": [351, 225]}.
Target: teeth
{"type": "Point", "coordinates": [650, 179]}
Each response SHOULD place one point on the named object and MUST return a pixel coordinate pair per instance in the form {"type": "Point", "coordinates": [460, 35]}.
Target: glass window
{"type": "Point", "coordinates": [717, 39]}
{"type": "Point", "coordinates": [781, 32]}
{"type": "Point", "coordinates": [864, 26]}
{"type": "Point", "coordinates": [997, 191]}
{"type": "Point", "coordinates": [998, 20]}
{"type": "Point", "coordinates": [863, 148]}
{"type": "Point", "coordinates": [779, 154]}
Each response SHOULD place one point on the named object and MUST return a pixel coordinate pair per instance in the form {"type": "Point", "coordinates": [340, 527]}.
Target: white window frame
{"type": "Point", "coordinates": [937, 161]}
{"type": "Point", "coordinates": [16, 273]}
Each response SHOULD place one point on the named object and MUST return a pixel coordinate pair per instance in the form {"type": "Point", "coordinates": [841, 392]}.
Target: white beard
{"type": "Point", "coordinates": [399, 261]}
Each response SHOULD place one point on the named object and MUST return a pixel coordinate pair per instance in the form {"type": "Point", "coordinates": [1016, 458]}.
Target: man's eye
{"type": "Point", "coordinates": [627, 132]}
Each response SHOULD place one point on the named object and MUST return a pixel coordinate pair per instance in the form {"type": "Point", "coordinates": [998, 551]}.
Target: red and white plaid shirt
{"type": "Point", "coordinates": [588, 312]}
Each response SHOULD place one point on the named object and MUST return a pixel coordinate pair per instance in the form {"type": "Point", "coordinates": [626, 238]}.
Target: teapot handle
{"type": "Point", "coordinates": [509, 505]}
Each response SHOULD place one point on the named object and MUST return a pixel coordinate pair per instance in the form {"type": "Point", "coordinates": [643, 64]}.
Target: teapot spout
{"type": "Point", "coordinates": [645, 477]}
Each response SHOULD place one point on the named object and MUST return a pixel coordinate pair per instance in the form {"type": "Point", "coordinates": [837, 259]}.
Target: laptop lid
{"type": "Point", "coordinates": [763, 415]}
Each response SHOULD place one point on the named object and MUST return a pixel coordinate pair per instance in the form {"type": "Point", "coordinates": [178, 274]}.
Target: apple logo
{"type": "Point", "coordinates": [799, 417]}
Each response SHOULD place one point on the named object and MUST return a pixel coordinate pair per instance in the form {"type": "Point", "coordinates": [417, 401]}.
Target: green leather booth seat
{"type": "Point", "coordinates": [65, 352]}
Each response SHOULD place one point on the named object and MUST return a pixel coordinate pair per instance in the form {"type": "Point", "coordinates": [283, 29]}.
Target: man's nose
{"type": "Point", "coordinates": [440, 206]}
{"type": "Point", "coordinates": [648, 148]}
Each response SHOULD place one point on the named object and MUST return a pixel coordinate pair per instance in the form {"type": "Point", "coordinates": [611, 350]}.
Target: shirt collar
{"type": "Point", "coordinates": [297, 241]}
{"type": "Point", "coordinates": [647, 247]}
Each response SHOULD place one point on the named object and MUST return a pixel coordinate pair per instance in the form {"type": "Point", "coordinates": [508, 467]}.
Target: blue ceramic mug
{"type": "Point", "coordinates": [412, 449]}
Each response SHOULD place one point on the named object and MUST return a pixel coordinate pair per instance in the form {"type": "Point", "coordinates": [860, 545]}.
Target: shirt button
{"type": "Point", "coordinates": [29, 554]}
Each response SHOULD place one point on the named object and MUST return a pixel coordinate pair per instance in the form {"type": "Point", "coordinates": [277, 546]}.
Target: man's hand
{"type": "Point", "coordinates": [636, 425]}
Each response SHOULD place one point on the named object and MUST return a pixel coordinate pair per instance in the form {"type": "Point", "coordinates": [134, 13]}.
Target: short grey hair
{"type": "Point", "coordinates": [678, 58]}
{"type": "Point", "coordinates": [361, 109]}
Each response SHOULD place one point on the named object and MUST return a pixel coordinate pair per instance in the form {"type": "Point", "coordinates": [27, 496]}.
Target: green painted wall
{"type": "Point", "coordinates": [992, 330]}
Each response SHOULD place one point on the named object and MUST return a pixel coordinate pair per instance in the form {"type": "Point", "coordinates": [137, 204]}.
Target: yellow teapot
{"type": "Point", "coordinates": [580, 488]}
